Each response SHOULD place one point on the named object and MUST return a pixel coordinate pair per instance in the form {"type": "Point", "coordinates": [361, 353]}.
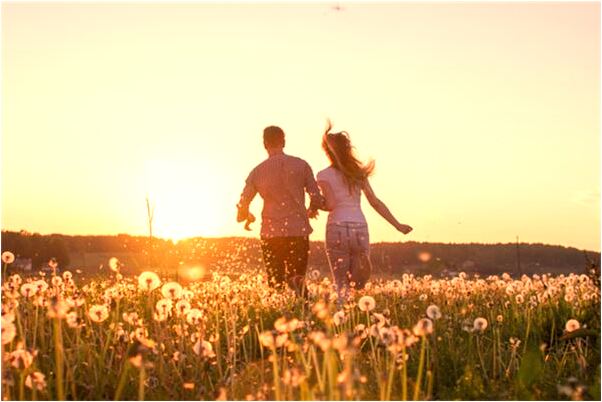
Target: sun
{"type": "Point", "coordinates": [183, 204]}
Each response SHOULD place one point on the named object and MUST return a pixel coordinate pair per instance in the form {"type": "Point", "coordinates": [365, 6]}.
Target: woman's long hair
{"type": "Point", "coordinates": [339, 150]}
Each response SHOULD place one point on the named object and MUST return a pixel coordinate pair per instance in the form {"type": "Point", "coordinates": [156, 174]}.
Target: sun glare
{"type": "Point", "coordinates": [183, 206]}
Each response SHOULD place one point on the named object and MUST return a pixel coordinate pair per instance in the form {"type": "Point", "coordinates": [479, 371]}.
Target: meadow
{"type": "Point", "coordinates": [148, 337]}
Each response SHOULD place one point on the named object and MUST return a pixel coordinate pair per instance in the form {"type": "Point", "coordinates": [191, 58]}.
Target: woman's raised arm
{"type": "Point", "coordinates": [382, 209]}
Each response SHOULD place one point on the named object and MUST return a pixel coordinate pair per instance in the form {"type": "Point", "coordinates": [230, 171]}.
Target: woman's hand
{"type": "Point", "coordinates": [405, 229]}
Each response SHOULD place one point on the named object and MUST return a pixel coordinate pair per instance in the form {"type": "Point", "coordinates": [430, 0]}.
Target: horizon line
{"type": "Point", "coordinates": [317, 240]}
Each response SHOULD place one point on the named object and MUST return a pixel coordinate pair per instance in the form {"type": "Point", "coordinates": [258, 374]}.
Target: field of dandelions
{"type": "Point", "coordinates": [234, 337]}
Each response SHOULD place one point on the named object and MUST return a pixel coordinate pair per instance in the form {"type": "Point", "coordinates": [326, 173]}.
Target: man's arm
{"type": "Point", "coordinates": [316, 199]}
{"type": "Point", "coordinates": [248, 193]}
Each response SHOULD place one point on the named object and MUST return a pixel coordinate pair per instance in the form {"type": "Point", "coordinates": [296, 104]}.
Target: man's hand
{"type": "Point", "coordinates": [405, 229]}
{"type": "Point", "coordinates": [242, 213]}
{"type": "Point", "coordinates": [250, 219]}
{"type": "Point", "coordinates": [312, 213]}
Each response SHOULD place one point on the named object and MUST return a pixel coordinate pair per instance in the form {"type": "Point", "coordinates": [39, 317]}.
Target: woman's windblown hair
{"type": "Point", "coordinates": [339, 150]}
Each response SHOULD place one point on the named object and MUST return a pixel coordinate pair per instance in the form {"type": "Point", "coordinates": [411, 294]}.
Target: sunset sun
{"type": "Point", "coordinates": [184, 205]}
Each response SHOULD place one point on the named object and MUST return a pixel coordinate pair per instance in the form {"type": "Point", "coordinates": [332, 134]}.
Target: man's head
{"type": "Point", "coordinates": [273, 138]}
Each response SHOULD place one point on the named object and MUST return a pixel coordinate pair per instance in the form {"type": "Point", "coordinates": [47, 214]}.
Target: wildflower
{"type": "Point", "coordinates": [98, 313]}
{"type": "Point", "coordinates": [72, 320]}
{"type": "Point", "coordinates": [37, 380]}
{"type": "Point", "coordinates": [160, 316]}
{"type": "Point", "coordinates": [67, 276]}
{"type": "Point", "coordinates": [519, 299]}
{"type": "Point", "coordinates": [41, 286]}
{"type": "Point", "coordinates": [148, 281]}
{"type": "Point", "coordinates": [572, 325]}
{"type": "Point", "coordinates": [499, 318]}
{"type": "Point", "coordinates": [339, 318]}
{"type": "Point", "coordinates": [280, 325]}
{"type": "Point", "coordinates": [319, 338]}
{"type": "Point", "coordinates": [56, 281]}
{"type": "Point", "coordinates": [114, 264]}
{"type": "Point", "coordinates": [171, 290]}
{"type": "Point", "coordinates": [266, 338]}
{"type": "Point", "coordinates": [366, 303]}
{"type": "Point", "coordinates": [381, 320]}
{"type": "Point", "coordinates": [8, 257]}
{"type": "Point", "coordinates": [293, 377]}
{"type": "Point", "coordinates": [320, 309]}
{"type": "Point", "coordinates": [203, 348]}
{"type": "Point", "coordinates": [194, 316]}
{"type": "Point", "coordinates": [423, 327]}
{"type": "Point", "coordinates": [9, 331]}
{"type": "Point", "coordinates": [130, 318]}
{"type": "Point", "coordinates": [28, 290]}
{"type": "Point", "coordinates": [21, 358]}
{"type": "Point", "coordinates": [480, 324]}
{"type": "Point", "coordinates": [57, 308]}
{"type": "Point", "coordinates": [433, 312]}
{"type": "Point", "coordinates": [314, 275]}
{"type": "Point", "coordinates": [188, 385]}
{"type": "Point", "coordinates": [514, 343]}
{"type": "Point", "coordinates": [182, 307]}
{"type": "Point", "coordinates": [164, 306]}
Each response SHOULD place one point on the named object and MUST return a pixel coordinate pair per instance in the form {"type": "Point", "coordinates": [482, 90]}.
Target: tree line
{"type": "Point", "coordinates": [232, 253]}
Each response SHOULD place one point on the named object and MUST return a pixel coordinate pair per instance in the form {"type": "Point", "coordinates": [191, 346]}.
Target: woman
{"type": "Point", "coordinates": [347, 240]}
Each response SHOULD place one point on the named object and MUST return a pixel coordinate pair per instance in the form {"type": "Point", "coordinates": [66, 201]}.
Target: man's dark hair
{"type": "Point", "coordinates": [273, 136]}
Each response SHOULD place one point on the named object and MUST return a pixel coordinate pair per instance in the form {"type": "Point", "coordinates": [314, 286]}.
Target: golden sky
{"type": "Point", "coordinates": [483, 118]}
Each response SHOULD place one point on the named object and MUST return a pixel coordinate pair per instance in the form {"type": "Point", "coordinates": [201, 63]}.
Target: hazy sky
{"type": "Point", "coordinates": [483, 118]}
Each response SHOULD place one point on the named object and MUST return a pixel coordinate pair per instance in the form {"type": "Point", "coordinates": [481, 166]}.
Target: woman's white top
{"type": "Point", "coordinates": [347, 207]}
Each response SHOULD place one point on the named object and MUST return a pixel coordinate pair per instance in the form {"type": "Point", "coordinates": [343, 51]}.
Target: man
{"type": "Point", "coordinates": [282, 180]}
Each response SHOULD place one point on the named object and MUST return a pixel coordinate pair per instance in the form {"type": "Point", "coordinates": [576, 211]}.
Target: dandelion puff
{"type": "Point", "coordinates": [339, 318]}
{"type": "Point", "coordinates": [194, 316]}
{"type": "Point", "coordinates": [114, 264]}
{"type": "Point", "coordinates": [366, 303]}
{"type": "Point", "coordinates": [28, 290]}
{"type": "Point", "coordinates": [433, 312]}
{"type": "Point", "coordinates": [423, 327]}
{"type": "Point", "coordinates": [480, 324]}
{"type": "Point", "coordinates": [172, 290]}
{"type": "Point", "coordinates": [164, 306]}
{"type": "Point", "coordinates": [203, 348]}
{"type": "Point", "coordinates": [572, 325]}
{"type": "Point", "coordinates": [72, 320]}
{"type": "Point", "coordinates": [182, 307]}
{"type": "Point", "coordinates": [148, 281]}
{"type": "Point", "coordinates": [98, 313]}
{"type": "Point", "coordinates": [314, 275]}
{"type": "Point", "coordinates": [58, 308]}
{"type": "Point", "coordinates": [8, 257]}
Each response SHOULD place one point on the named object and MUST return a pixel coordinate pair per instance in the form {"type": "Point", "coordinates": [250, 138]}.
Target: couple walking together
{"type": "Point", "coordinates": [282, 181]}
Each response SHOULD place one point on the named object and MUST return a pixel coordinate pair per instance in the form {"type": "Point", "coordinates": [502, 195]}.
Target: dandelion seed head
{"type": "Point", "coordinates": [366, 303]}
{"type": "Point", "coordinates": [480, 324]}
{"type": "Point", "coordinates": [572, 325]}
